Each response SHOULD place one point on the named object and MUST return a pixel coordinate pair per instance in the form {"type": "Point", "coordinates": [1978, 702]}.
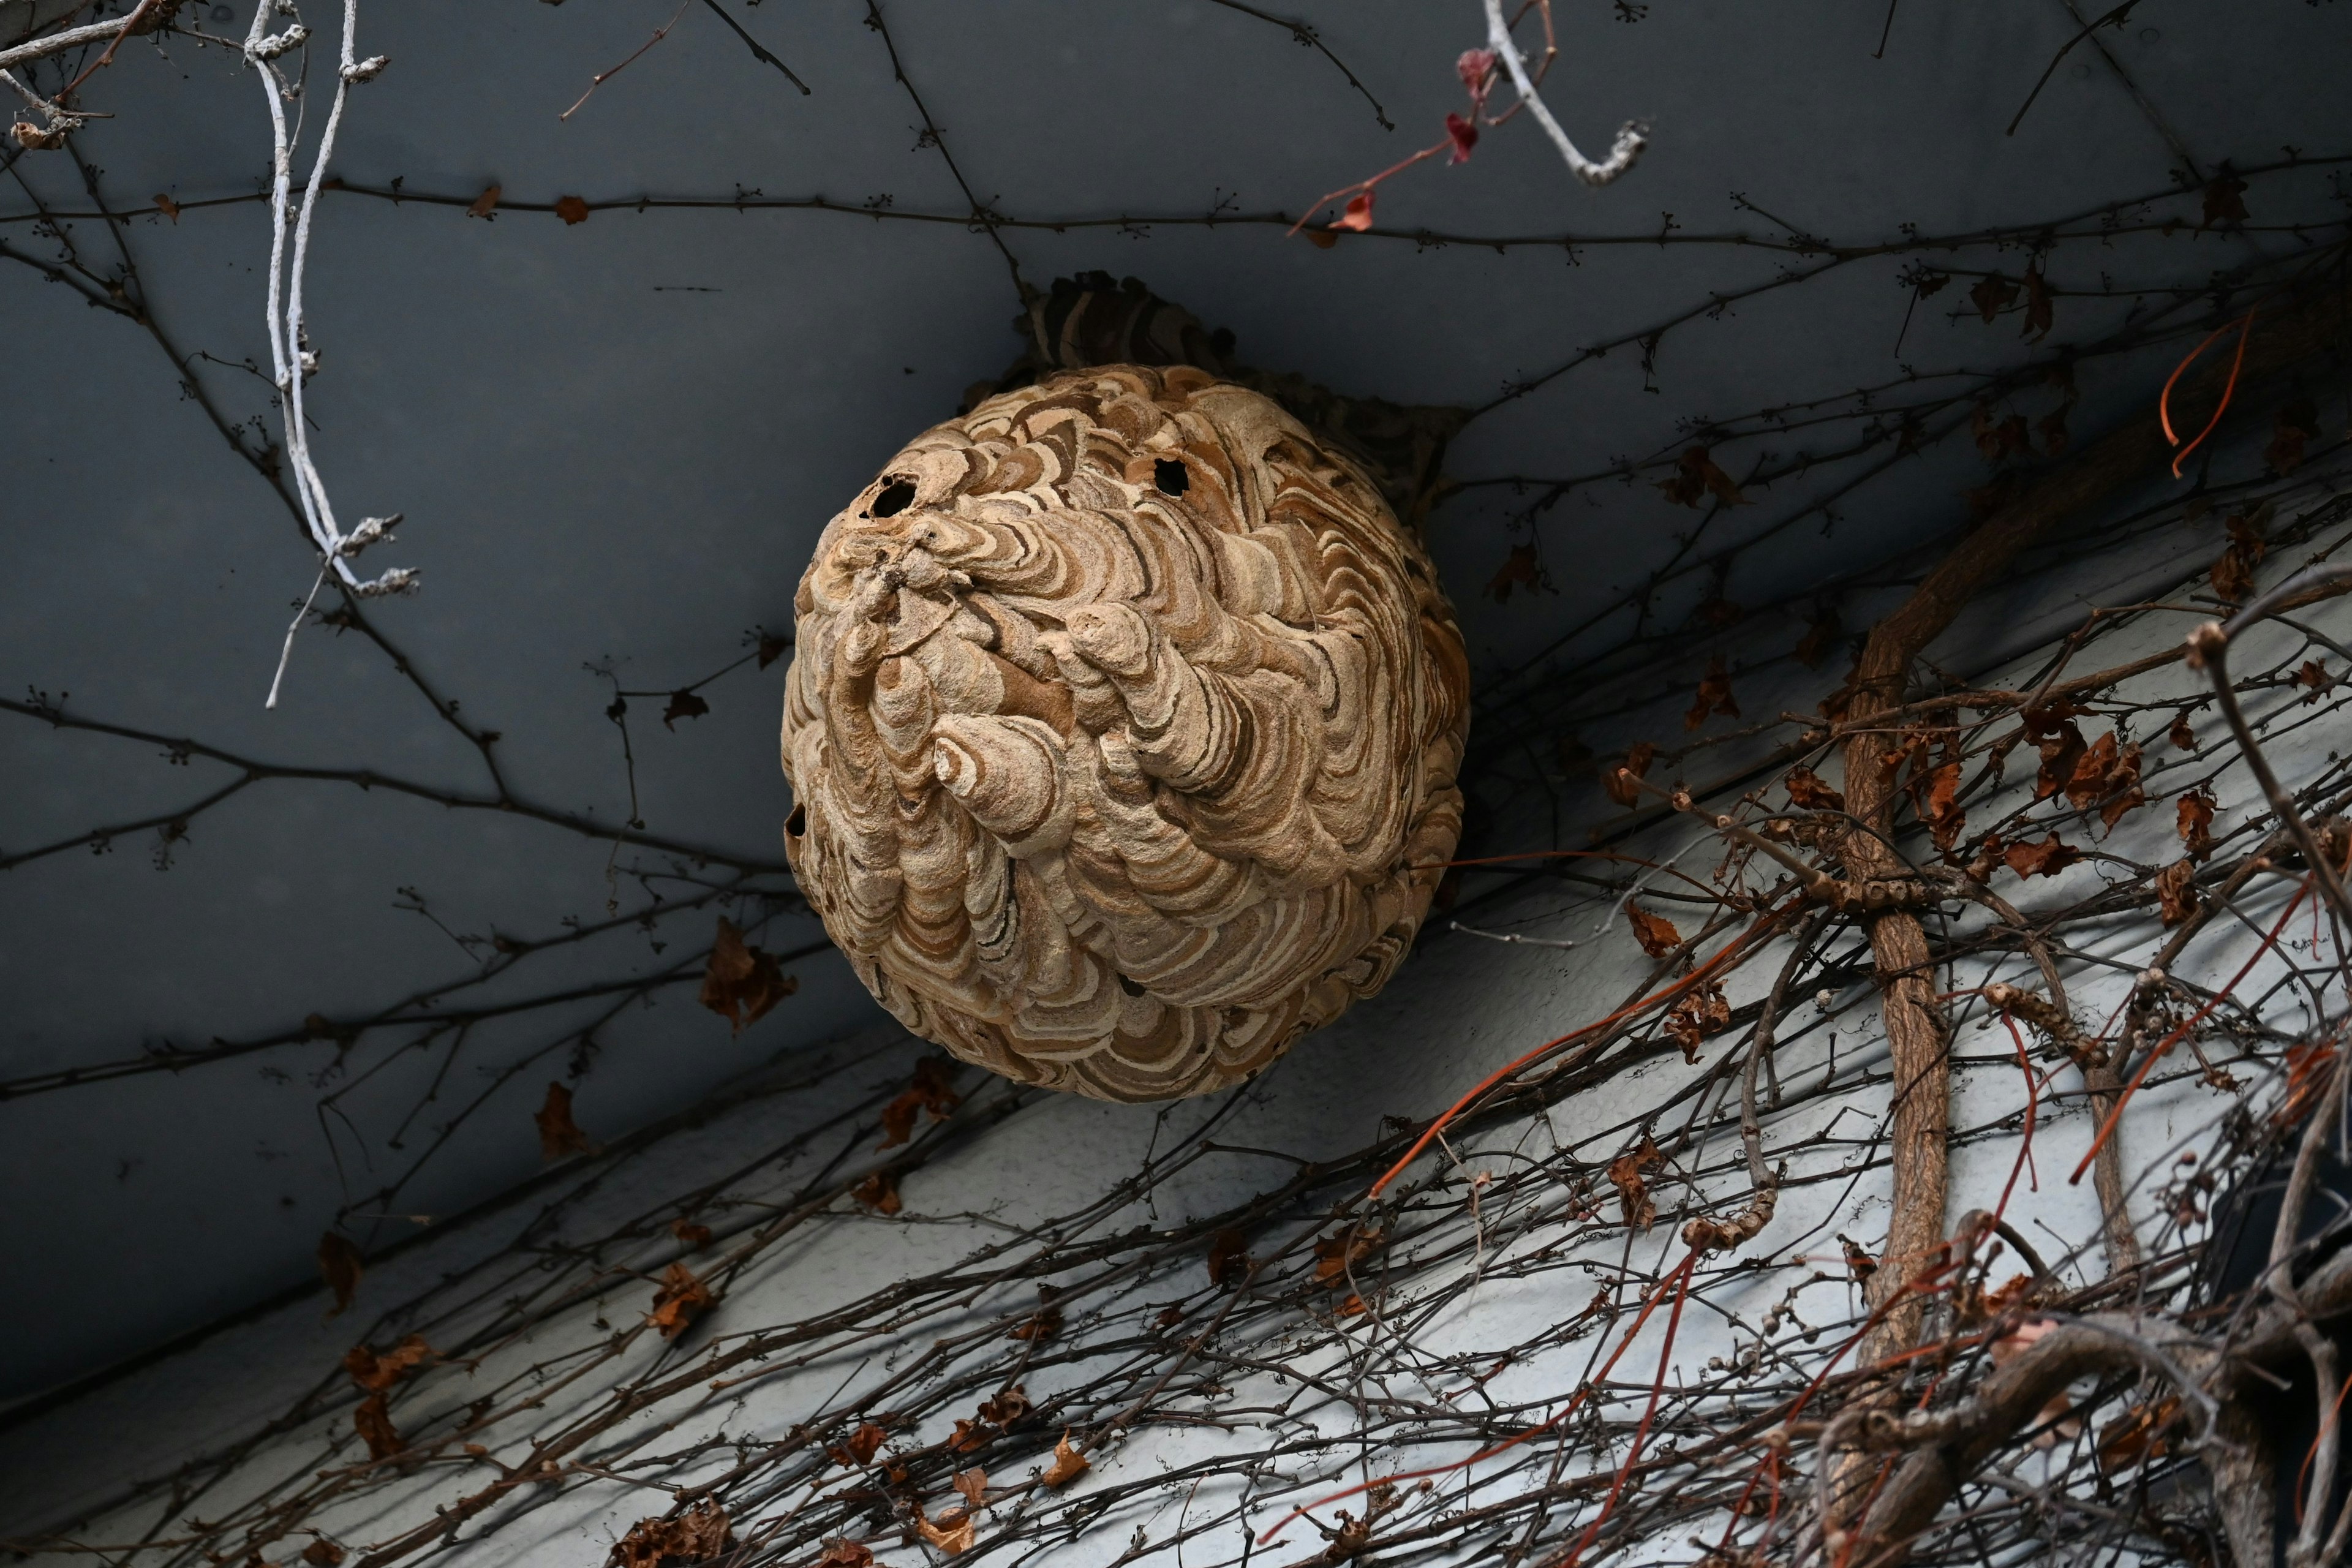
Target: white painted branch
{"type": "Point", "coordinates": [1622, 153]}
{"type": "Point", "coordinates": [58, 43]}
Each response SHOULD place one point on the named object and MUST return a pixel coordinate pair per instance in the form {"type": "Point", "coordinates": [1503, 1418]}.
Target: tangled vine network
{"type": "Point", "coordinates": [2098, 885]}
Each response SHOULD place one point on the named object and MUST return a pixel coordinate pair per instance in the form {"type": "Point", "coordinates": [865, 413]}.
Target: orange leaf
{"type": "Point", "coordinates": [1808, 793]}
{"type": "Point", "coordinates": [859, 1447]}
{"type": "Point", "coordinates": [840, 1554]}
{"type": "Point", "coordinates": [933, 1089]}
{"type": "Point", "coordinates": [687, 1231]}
{"type": "Point", "coordinates": [572, 209]}
{"type": "Point", "coordinates": [558, 1134]}
{"type": "Point", "coordinates": [1068, 1465]}
{"type": "Point", "coordinates": [323, 1554]}
{"type": "Point", "coordinates": [1656, 934]}
{"type": "Point", "coordinates": [878, 1191]}
{"type": "Point", "coordinates": [376, 1371]}
{"type": "Point", "coordinates": [2193, 814]}
{"type": "Point", "coordinates": [680, 1299]}
{"type": "Point", "coordinates": [1622, 789]}
{"type": "Point", "coordinates": [952, 1535]}
{"type": "Point", "coordinates": [372, 1421]}
{"type": "Point", "coordinates": [696, 1536]}
{"type": "Point", "coordinates": [2176, 891]}
{"type": "Point", "coordinates": [168, 208]}
{"type": "Point", "coordinates": [1633, 1190]}
{"type": "Point", "coordinates": [1691, 1020]}
{"type": "Point", "coordinates": [974, 1486]}
{"type": "Point", "coordinates": [2046, 858]}
{"type": "Point", "coordinates": [1714, 696]}
{"type": "Point", "coordinates": [1359, 216]}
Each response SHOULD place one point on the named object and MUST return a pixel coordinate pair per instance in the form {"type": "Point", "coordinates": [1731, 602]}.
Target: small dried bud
{"type": "Point", "coordinates": [367, 69]}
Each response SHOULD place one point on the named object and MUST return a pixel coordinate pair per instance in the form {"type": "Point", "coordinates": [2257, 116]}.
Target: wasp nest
{"type": "Point", "coordinates": [1122, 727]}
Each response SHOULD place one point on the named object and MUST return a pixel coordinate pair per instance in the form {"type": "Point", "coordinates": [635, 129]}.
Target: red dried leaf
{"type": "Point", "coordinates": [1336, 1255]}
{"type": "Point", "coordinates": [2193, 819]}
{"type": "Point", "coordinates": [681, 1299]}
{"type": "Point", "coordinates": [687, 1231]}
{"type": "Point", "coordinates": [1359, 216]}
{"type": "Point", "coordinates": [558, 1134]}
{"type": "Point", "coordinates": [931, 1089]}
{"type": "Point", "coordinates": [1698, 1014]}
{"type": "Point", "coordinates": [2180, 733]}
{"type": "Point", "coordinates": [323, 1554]}
{"type": "Point", "coordinates": [1464, 134]}
{"type": "Point", "coordinates": [2176, 890]}
{"type": "Point", "coordinates": [2314, 678]}
{"type": "Point", "coordinates": [742, 983]}
{"type": "Point", "coordinates": [373, 1422]}
{"type": "Point", "coordinates": [859, 1447]}
{"type": "Point", "coordinates": [1943, 812]}
{"type": "Point", "coordinates": [1656, 934]}
{"type": "Point", "coordinates": [1228, 1258]}
{"type": "Point", "coordinates": [1714, 696]}
{"type": "Point", "coordinates": [572, 209]}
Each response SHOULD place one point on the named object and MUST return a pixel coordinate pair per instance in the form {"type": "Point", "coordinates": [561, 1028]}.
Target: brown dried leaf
{"type": "Point", "coordinates": [2176, 890]}
{"type": "Point", "coordinates": [1335, 1254]}
{"type": "Point", "coordinates": [879, 1193]}
{"type": "Point", "coordinates": [2046, 858]}
{"type": "Point", "coordinates": [681, 1299]}
{"type": "Point", "coordinates": [2193, 819]}
{"type": "Point", "coordinates": [1821, 634]}
{"type": "Point", "coordinates": [572, 209]}
{"type": "Point", "coordinates": [341, 1268]}
{"type": "Point", "coordinates": [1998, 437]}
{"type": "Point", "coordinates": [683, 704]}
{"type": "Point", "coordinates": [840, 1554]}
{"type": "Point", "coordinates": [932, 1090]}
{"type": "Point", "coordinates": [558, 1134]}
{"type": "Point", "coordinates": [373, 1422]}
{"type": "Point", "coordinates": [486, 203]}
{"type": "Point", "coordinates": [1858, 1260]}
{"type": "Point", "coordinates": [1714, 696]}
{"type": "Point", "coordinates": [859, 1447]}
{"type": "Point", "coordinates": [1808, 793]}
{"type": "Point", "coordinates": [323, 1554]}
{"type": "Point", "coordinates": [2181, 735]}
{"type": "Point", "coordinates": [973, 1485]}
{"type": "Point", "coordinates": [2039, 307]}
{"type": "Point", "coordinates": [2141, 1434]}
{"type": "Point", "coordinates": [168, 208]}
{"type": "Point", "coordinates": [1625, 1173]}
{"type": "Point", "coordinates": [1519, 569]}
{"type": "Point", "coordinates": [1228, 1258]}
{"type": "Point", "coordinates": [1067, 1467]}
{"type": "Point", "coordinates": [1695, 477]}
{"type": "Point", "coordinates": [773, 648]}
{"type": "Point", "coordinates": [1623, 790]}
{"type": "Point", "coordinates": [2061, 744]}
{"type": "Point", "coordinates": [1656, 934]}
{"type": "Point", "coordinates": [376, 1371]}
{"type": "Point", "coordinates": [1944, 815]}
{"type": "Point", "coordinates": [687, 1231]}
{"type": "Point", "coordinates": [2225, 200]}
{"type": "Point", "coordinates": [1007, 1408]}
{"type": "Point", "coordinates": [1993, 295]}
{"type": "Point", "coordinates": [742, 983]}
{"type": "Point", "coordinates": [1698, 1014]}
{"type": "Point", "coordinates": [696, 1536]}
{"type": "Point", "coordinates": [2314, 678]}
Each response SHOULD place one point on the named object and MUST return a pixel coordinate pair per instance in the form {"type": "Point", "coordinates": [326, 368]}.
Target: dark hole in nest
{"type": "Point", "coordinates": [797, 823]}
{"type": "Point", "coordinates": [1171, 477]}
{"type": "Point", "coordinates": [1130, 987]}
{"type": "Point", "coordinates": [896, 497]}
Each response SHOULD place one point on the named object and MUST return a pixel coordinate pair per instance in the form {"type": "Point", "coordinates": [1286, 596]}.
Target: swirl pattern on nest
{"type": "Point", "coordinates": [1122, 727]}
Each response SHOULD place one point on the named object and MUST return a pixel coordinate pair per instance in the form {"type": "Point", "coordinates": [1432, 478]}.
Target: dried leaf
{"type": "Point", "coordinates": [2139, 1435]}
{"type": "Point", "coordinates": [1714, 696]}
{"type": "Point", "coordinates": [1858, 1260]}
{"type": "Point", "coordinates": [1228, 1258]}
{"type": "Point", "coordinates": [1808, 793]}
{"type": "Point", "coordinates": [859, 1447]}
{"type": "Point", "coordinates": [1521, 569]}
{"type": "Point", "coordinates": [1620, 789]}
{"type": "Point", "coordinates": [932, 1090]}
{"type": "Point", "coordinates": [373, 1422]}
{"type": "Point", "coordinates": [1698, 1014]}
{"type": "Point", "coordinates": [973, 1485]}
{"type": "Point", "coordinates": [2061, 744]}
{"type": "Point", "coordinates": [2181, 734]}
{"type": "Point", "coordinates": [2225, 200]}
{"type": "Point", "coordinates": [1656, 934]}
{"type": "Point", "coordinates": [1697, 477]}
{"type": "Point", "coordinates": [683, 704]}
{"type": "Point", "coordinates": [681, 1299]}
{"type": "Point", "coordinates": [1336, 1253]}
{"type": "Point", "coordinates": [2233, 578]}
{"type": "Point", "coordinates": [1359, 216]}
{"type": "Point", "coordinates": [1997, 437]}
{"type": "Point", "coordinates": [698, 1535]}
{"type": "Point", "coordinates": [2176, 890]}
{"type": "Point", "coordinates": [772, 648]}
{"type": "Point", "coordinates": [484, 205]}
{"type": "Point", "coordinates": [879, 1193]}
{"type": "Point", "coordinates": [1821, 634]}
{"type": "Point", "coordinates": [2046, 858]}
{"type": "Point", "coordinates": [742, 983]}
{"type": "Point", "coordinates": [2314, 678]}
{"type": "Point", "coordinates": [1067, 1467]}
{"type": "Point", "coordinates": [572, 209]}
{"type": "Point", "coordinates": [955, 1528]}
{"type": "Point", "coordinates": [323, 1554]}
{"type": "Point", "coordinates": [840, 1554]}
{"type": "Point", "coordinates": [168, 208]}
{"type": "Point", "coordinates": [2039, 306]}
{"type": "Point", "coordinates": [1993, 295]}
{"type": "Point", "coordinates": [1625, 1173]}
{"type": "Point", "coordinates": [1040, 1326]}
{"type": "Point", "coordinates": [687, 1231]}
{"type": "Point", "coordinates": [1943, 814]}
{"type": "Point", "coordinates": [2193, 819]}
{"type": "Point", "coordinates": [1006, 1408]}
{"type": "Point", "coordinates": [558, 1134]}
{"type": "Point", "coordinates": [340, 1266]}
{"type": "Point", "coordinates": [1464, 134]}
{"type": "Point", "coordinates": [376, 1371]}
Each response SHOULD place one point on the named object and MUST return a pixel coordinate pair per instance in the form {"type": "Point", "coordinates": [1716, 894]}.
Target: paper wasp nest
{"type": "Point", "coordinates": [1122, 726]}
